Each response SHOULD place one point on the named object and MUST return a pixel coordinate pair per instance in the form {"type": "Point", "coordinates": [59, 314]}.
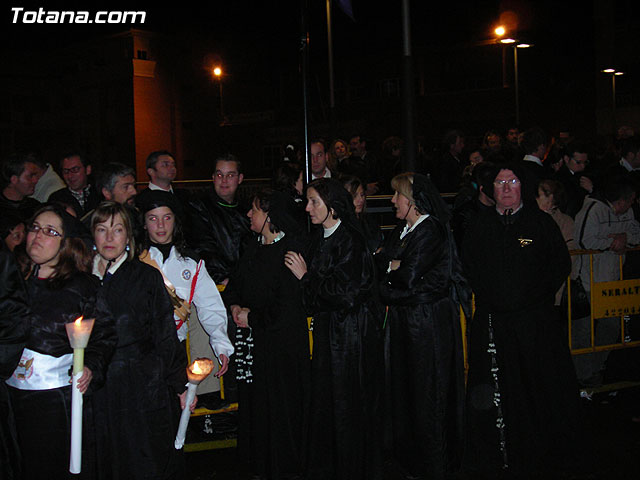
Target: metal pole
{"type": "Point", "coordinates": [221, 104]}
{"type": "Point", "coordinates": [304, 52]}
{"type": "Point", "coordinates": [408, 95]}
{"type": "Point", "coordinates": [517, 84]}
{"type": "Point", "coordinates": [332, 101]}
{"type": "Point", "coordinates": [613, 100]}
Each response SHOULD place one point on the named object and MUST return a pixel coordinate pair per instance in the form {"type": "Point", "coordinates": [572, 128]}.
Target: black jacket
{"type": "Point", "coordinates": [220, 233]}
{"type": "Point", "coordinates": [64, 195]}
{"type": "Point", "coordinates": [24, 209]}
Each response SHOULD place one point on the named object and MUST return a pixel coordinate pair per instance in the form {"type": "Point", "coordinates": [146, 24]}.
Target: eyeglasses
{"type": "Point", "coordinates": [48, 231]}
{"type": "Point", "coordinates": [228, 176]}
{"type": "Point", "coordinates": [501, 183]}
{"type": "Point", "coordinates": [75, 169]}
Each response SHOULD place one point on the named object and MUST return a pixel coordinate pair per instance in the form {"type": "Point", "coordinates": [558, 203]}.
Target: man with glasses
{"type": "Point", "coordinates": [79, 194]}
{"type": "Point", "coordinates": [220, 232]}
{"type": "Point", "coordinates": [572, 177]}
{"type": "Point", "coordinates": [220, 224]}
{"type": "Point", "coordinates": [522, 395]}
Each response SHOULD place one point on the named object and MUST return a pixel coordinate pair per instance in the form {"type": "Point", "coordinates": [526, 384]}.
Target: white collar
{"type": "Point", "coordinates": [153, 186]}
{"type": "Point", "coordinates": [329, 231]}
{"type": "Point", "coordinates": [515, 211]}
{"type": "Point", "coordinates": [626, 165]}
{"type": "Point", "coordinates": [279, 237]}
{"type": "Point", "coordinates": [327, 174]}
{"type": "Point", "coordinates": [407, 230]}
{"type": "Point", "coordinates": [532, 158]}
{"type": "Point", "coordinates": [112, 268]}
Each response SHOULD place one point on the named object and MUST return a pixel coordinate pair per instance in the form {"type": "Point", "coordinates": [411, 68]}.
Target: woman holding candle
{"type": "Point", "coordinates": [166, 250]}
{"type": "Point", "coordinates": [60, 289]}
{"type": "Point", "coordinates": [272, 340]}
{"type": "Point", "coordinates": [339, 290]}
{"type": "Point", "coordinates": [137, 410]}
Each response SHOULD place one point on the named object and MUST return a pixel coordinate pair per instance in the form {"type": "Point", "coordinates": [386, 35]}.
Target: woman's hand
{"type": "Point", "coordinates": [243, 318]}
{"type": "Point", "coordinates": [235, 310]}
{"type": "Point", "coordinates": [85, 380]}
{"type": "Point", "coordinates": [394, 264]}
{"type": "Point", "coordinates": [183, 399]}
{"type": "Point", "coordinates": [295, 262]}
{"type": "Point", "coordinates": [224, 365]}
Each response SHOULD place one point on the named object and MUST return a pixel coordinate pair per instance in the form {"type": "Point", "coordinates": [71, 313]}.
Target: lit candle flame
{"type": "Point", "coordinates": [196, 368]}
{"type": "Point", "coordinates": [78, 320]}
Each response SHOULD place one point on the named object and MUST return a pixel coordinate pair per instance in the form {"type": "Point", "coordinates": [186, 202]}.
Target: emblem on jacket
{"type": "Point", "coordinates": [24, 370]}
{"type": "Point", "coordinates": [186, 274]}
{"type": "Point", "coordinates": [525, 242]}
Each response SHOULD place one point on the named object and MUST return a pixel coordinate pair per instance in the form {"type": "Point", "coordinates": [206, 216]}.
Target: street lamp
{"type": "Point", "coordinates": [500, 32]}
{"type": "Point", "coordinates": [217, 71]}
{"type": "Point", "coordinates": [614, 73]}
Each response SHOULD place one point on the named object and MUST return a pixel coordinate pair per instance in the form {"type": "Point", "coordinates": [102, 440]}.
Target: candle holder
{"type": "Point", "coordinates": [196, 372]}
{"type": "Point", "coordinates": [78, 332]}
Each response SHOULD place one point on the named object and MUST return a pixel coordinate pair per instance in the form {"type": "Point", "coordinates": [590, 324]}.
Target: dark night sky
{"type": "Point", "coordinates": [276, 23]}
{"type": "Point", "coordinates": [266, 31]}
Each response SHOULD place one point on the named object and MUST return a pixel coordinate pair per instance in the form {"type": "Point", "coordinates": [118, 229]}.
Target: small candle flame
{"type": "Point", "coordinates": [79, 320]}
{"type": "Point", "coordinates": [196, 368]}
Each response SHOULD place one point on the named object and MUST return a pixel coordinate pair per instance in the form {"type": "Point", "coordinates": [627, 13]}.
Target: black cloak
{"type": "Point", "coordinates": [339, 291]}
{"type": "Point", "coordinates": [424, 339]}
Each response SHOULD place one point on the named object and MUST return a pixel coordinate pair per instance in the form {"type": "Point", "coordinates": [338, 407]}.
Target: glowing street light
{"type": "Point", "coordinates": [614, 73]}
{"type": "Point", "coordinates": [217, 71]}
{"type": "Point", "coordinates": [500, 31]}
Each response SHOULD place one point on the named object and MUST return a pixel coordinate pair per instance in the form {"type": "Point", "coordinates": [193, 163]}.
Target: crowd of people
{"type": "Point", "coordinates": [383, 369]}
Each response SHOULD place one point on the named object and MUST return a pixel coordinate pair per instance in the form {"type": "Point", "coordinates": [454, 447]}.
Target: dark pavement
{"type": "Point", "coordinates": [613, 436]}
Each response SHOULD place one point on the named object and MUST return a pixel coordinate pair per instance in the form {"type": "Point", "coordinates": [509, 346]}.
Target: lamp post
{"type": "Point", "coordinates": [515, 44]}
{"type": "Point", "coordinates": [217, 71]}
{"type": "Point", "coordinates": [614, 73]}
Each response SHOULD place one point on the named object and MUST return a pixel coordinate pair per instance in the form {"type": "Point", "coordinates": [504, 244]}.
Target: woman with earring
{"type": "Point", "coordinates": [339, 291]}
{"type": "Point", "coordinates": [272, 342]}
{"type": "Point", "coordinates": [426, 371]}
{"type": "Point", "coordinates": [60, 289]}
{"type": "Point", "coordinates": [165, 250]}
{"type": "Point", "coordinates": [137, 410]}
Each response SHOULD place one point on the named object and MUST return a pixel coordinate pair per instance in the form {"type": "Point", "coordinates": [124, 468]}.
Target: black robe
{"type": "Point", "coordinates": [137, 410]}
{"type": "Point", "coordinates": [515, 266]}
{"type": "Point", "coordinates": [272, 402]}
{"type": "Point", "coordinates": [13, 332]}
{"type": "Point", "coordinates": [425, 350]}
{"type": "Point", "coordinates": [43, 416]}
{"type": "Point", "coordinates": [339, 291]}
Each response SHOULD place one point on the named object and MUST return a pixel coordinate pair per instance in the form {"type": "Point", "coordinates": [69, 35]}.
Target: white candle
{"type": "Point", "coordinates": [78, 333]}
{"type": "Point", "coordinates": [196, 372]}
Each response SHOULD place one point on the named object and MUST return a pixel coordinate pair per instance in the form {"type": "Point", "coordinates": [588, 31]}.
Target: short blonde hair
{"type": "Point", "coordinates": [403, 184]}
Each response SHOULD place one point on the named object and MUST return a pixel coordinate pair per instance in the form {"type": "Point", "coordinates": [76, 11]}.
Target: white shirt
{"type": "Point", "coordinates": [211, 310]}
{"type": "Point", "coordinates": [626, 165]}
{"type": "Point", "coordinates": [329, 231]}
{"type": "Point", "coordinates": [153, 186]}
{"type": "Point", "coordinates": [327, 174]}
{"type": "Point", "coordinates": [407, 229]}
{"type": "Point", "coordinates": [532, 158]}
{"type": "Point", "coordinates": [48, 183]}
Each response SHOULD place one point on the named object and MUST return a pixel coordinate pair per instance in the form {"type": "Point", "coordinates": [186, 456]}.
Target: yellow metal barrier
{"type": "Point", "coordinates": [625, 302]}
